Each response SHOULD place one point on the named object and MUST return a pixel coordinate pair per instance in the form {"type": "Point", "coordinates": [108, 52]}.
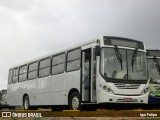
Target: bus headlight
{"type": "Point", "coordinates": [145, 91]}
{"type": "Point", "coordinates": [105, 88]}
{"type": "Point", "coordinates": [108, 89]}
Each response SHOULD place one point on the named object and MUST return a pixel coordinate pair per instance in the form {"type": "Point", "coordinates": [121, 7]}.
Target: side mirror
{"type": "Point", "coordinates": [98, 50]}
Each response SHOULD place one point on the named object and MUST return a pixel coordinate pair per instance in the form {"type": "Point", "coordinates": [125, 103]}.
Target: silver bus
{"type": "Point", "coordinates": [105, 70]}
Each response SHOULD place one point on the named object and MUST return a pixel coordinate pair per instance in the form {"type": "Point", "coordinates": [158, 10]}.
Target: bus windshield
{"type": "Point", "coordinates": [154, 73]}
{"type": "Point", "coordinates": [124, 64]}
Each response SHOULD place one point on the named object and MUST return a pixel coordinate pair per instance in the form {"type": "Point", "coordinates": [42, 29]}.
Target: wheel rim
{"type": "Point", "coordinates": [75, 103]}
{"type": "Point", "coordinates": [26, 104]}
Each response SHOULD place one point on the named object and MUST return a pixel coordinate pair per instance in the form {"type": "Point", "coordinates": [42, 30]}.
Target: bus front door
{"type": "Point", "coordinates": [88, 92]}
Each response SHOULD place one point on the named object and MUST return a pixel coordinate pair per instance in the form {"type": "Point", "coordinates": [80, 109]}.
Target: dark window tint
{"type": "Point", "coordinates": [58, 64]}
{"type": "Point", "coordinates": [73, 60]}
{"type": "Point", "coordinates": [15, 75]}
{"type": "Point", "coordinates": [23, 73]}
{"type": "Point", "coordinates": [44, 67]}
{"type": "Point", "coordinates": [32, 70]}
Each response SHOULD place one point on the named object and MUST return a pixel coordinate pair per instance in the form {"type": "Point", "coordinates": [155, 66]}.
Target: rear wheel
{"type": "Point", "coordinates": [26, 103]}
{"type": "Point", "coordinates": [74, 101]}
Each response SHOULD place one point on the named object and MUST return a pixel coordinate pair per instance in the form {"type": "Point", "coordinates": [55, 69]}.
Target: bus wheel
{"type": "Point", "coordinates": [74, 102]}
{"type": "Point", "coordinates": [26, 104]}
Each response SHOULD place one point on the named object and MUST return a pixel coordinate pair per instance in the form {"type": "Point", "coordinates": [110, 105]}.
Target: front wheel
{"type": "Point", "coordinates": [74, 102]}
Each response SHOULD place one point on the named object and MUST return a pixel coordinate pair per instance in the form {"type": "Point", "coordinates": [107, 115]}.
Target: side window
{"type": "Point", "coordinates": [58, 64]}
{"type": "Point", "coordinates": [23, 73]}
{"type": "Point", "coordinates": [15, 75]}
{"type": "Point", "coordinates": [73, 60]}
{"type": "Point", "coordinates": [44, 67]}
{"type": "Point", "coordinates": [32, 70]}
{"type": "Point", "coordinates": [10, 76]}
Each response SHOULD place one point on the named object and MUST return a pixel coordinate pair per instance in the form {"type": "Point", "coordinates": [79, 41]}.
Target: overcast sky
{"type": "Point", "coordinates": [33, 28]}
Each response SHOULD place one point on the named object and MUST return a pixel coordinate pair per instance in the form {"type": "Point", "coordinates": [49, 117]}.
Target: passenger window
{"type": "Point", "coordinates": [44, 67]}
{"type": "Point", "coordinates": [58, 64]}
{"type": "Point", "coordinates": [73, 60]}
{"type": "Point", "coordinates": [32, 70]}
{"type": "Point", "coordinates": [23, 73]}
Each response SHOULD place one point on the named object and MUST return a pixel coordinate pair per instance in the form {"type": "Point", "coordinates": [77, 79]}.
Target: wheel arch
{"type": "Point", "coordinates": [25, 94]}
{"type": "Point", "coordinates": [71, 92]}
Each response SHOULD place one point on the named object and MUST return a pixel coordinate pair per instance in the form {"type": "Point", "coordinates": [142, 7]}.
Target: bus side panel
{"type": "Point", "coordinates": [50, 89]}
{"type": "Point", "coordinates": [53, 90]}
{"type": "Point", "coordinates": [16, 91]}
{"type": "Point", "coordinates": [10, 95]}
{"type": "Point", "coordinates": [14, 94]}
{"type": "Point", "coordinates": [72, 81]}
{"type": "Point", "coordinates": [30, 88]}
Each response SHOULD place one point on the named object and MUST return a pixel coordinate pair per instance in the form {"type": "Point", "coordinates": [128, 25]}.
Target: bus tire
{"type": "Point", "coordinates": [74, 102]}
{"type": "Point", "coordinates": [26, 103]}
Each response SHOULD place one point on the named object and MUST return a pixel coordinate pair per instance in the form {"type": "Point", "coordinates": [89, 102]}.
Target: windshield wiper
{"type": "Point", "coordinates": [118, 55]}
{"type": "Point", "coordinates": [134, 57]}
{"type": "Point", "coordinates": [157, 64]}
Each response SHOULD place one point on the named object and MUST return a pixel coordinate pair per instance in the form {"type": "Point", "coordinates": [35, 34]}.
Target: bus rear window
{"type": "Point", "coordinates": [10, 77]}
{"type": "Point", "coordinates": [15, 75]}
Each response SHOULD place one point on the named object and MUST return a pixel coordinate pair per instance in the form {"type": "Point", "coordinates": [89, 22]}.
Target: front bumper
{"type": "Point", "coordinates": [105, 97]}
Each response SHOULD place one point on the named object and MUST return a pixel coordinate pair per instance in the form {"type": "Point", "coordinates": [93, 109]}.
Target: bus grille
{"type": "Point", "coordinates": [126, 86]}
{"type": "Point", "coordinates": [122, 100]}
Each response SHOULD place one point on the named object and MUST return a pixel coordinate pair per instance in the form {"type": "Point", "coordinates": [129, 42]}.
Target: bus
{"type": "Point", "coordinates": [153, 59]}
{"type": "Point", "coordinates": [104, 70]}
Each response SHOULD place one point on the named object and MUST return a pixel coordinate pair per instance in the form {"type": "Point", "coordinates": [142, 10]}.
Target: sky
{"type": "Point", "coordinates": [33, 28]}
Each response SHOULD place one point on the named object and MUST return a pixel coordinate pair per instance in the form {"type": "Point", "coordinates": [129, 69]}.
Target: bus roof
{"type": "Point", "coordinates": [57, 52]}
{"type": "Point", "coordinates": [153, 52]}
{"type": "Point", "coordinates": [80, 44]}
